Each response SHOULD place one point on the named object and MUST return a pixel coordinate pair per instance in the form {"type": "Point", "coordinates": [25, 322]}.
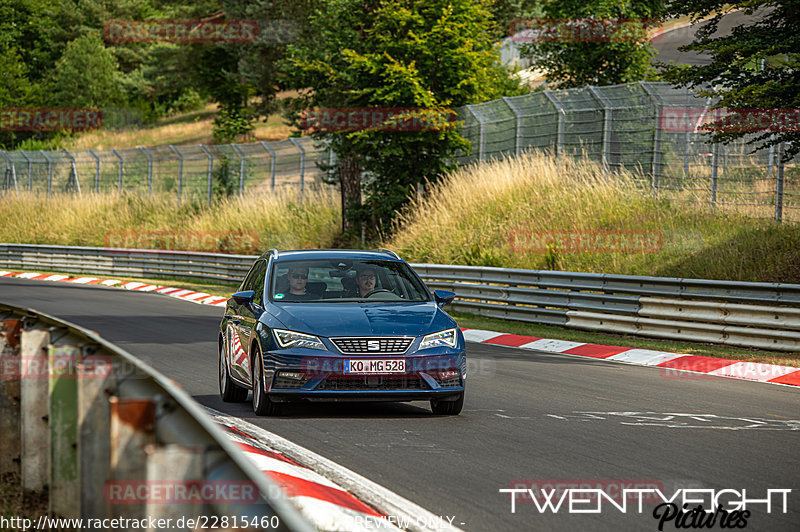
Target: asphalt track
{"type": "Point", "coordinates": [507, 433]}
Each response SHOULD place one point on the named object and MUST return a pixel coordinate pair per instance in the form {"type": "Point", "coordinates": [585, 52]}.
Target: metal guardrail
{"type": "Point", "coordinates": [572, 299]}
{"type": "Point", "coordinates": [94, 424]}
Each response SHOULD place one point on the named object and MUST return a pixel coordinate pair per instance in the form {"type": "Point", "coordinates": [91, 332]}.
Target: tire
{"type": "Point", "coordinates": [262, 405]}
{"type": "Point", "coordinates": [229, 391]}
{"type": "Point", "coordinates": [447, 408]}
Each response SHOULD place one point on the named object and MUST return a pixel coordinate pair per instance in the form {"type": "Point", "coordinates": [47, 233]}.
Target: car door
{"type": "Point", "coordinates": [237, 336]}
{"type": "Point", "coordinates": [248, 317]}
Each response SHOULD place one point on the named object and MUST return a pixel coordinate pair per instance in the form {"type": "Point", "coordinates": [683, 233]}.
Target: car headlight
{"type": "Point", "coordinates": [446, 338]}
{"type": "Point", "coordinates": [287, 339]}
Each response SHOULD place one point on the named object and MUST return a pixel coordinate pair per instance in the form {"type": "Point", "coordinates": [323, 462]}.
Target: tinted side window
{"type": "Point", "coordinates": [247, 284]}
{"type": "Point", "coordinates": [258, 284]}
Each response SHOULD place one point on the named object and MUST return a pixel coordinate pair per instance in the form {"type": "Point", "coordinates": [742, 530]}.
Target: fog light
{"type": "Point", "coordinates": [295, 375]}
{"type": "Point", "coordinates": [449, 373]}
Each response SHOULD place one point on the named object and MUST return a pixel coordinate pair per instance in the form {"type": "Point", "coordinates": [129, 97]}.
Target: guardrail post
{"type": "Point", "coordinates": [96, 170]}
{"type": "Point", "coordinates": [35, 408]}
{"type": "Point", "coordinates": [180, 171]}
{"type": "Point", "coordinates": [210, 171]}
{"type": "Point", "coordinates": [94, 414]}
{"type": "Point", "coordinates": [49, 171]}
{"type": "Point", "coordinates": [132, 429]}
{"type": "Point", "coordinates": [175, 465]}
{"type": "Point", "coordinates": [64, 489]}
{"type": "Point", "coordinates": [561, 118]}
{"type": "Point", "coordinates": [241, 168]}
{"type": "Point", "coordinates": [10, 396]}
{"type": "Point", "coordinates": [302, 164]}
{"type": "Point", "coordinates": [779, 184]}
{"type": "Point", "coordinates": [272, 162]}
{"type": "Point", "coordinates": [73, 183]}
{"type": "Point", "coordinates": [119, 171]}
{"type": "Point", "coordinates": [149, 169]}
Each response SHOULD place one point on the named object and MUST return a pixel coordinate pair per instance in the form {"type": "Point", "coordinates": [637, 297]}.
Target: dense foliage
{"type": "Point", "coordinates": [755, 66]}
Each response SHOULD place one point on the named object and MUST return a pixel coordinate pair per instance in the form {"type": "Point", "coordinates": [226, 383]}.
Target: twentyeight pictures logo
{"type": "Point", "coordinates": [682, 508]}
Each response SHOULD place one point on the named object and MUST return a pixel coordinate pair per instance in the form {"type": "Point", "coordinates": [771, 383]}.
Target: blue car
{"type": "Point", "coordinates": [339, 325]}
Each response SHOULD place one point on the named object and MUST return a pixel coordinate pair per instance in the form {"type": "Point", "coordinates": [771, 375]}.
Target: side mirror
{"type": "Point", "coordinates": [443, 297]}
{"type": "Point", "coordinates": [244, 297]}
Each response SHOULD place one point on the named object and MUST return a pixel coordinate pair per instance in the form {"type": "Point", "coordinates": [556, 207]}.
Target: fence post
{"type": "Point", "coordinates": [73, 183]}
{"type": "Point", "coordinates": [119, 171]}
{"type": "Point", "coordinates": [132, 428]}
{"type": "Point", "coordinates": [481, 134]}
{"type": "Point", "coordinates": [30, 169]}
{"type": "Point", "coordinates": [241, 168]}
{"type": "Point", "coordinates": [302, 164]}
{"type": "Point", "coordinates": [561, 113]}
{"type": "Point", "coordinates": [779, 184]}
{"type": "Point", "coordinates": [149, 169]}
{"type": "Point", "coordinates": [606, 126]}
{"type": "Point", "coordinates": [656, 160]}
{"type": "Point", "coordinates": [272, 162]}
{"type": "Point", "coordinates": [210, 169]}
{"type": "Point", "coordinates": [11, 177]}
{"type": "Point", "coordinates": [180, 171]}
{"type": "Point", "coordinates": [49, 171]}
{"type": "Point", "coordinates": [10, 330]}
{"type": "Point", "coordinates": [714, 173]}
{"type": "Point", "coordinates": [63, 401]}
{"type": "Point", "coordinates": [518, 136]}
{"type": "Point", "coordinates": [96, 170]}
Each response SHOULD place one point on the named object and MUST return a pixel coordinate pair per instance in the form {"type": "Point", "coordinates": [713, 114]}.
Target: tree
{"type": "Point", "coordinates": [606, 43]}
{"type": "Point", "coordinates": [423, 54]}
{"type": "Point", "coordinates": [86, 75]}
{"type": "Point", "coordinates": [756, 66]}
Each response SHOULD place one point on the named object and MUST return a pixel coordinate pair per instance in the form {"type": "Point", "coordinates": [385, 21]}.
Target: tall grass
{"type": "Point", "coordinates": [276, 217]}
{"type": "Point", "coordinates": [470, 218]}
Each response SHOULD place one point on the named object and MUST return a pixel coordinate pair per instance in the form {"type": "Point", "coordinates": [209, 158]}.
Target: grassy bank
{"type": "Point", "coordinates": [504, 213]}
{"type": "Point", "coordinates": [276, 219]}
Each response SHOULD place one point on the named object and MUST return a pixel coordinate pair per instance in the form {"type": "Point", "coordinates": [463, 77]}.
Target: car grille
{"type": "Point", "coordinates": [449, 382]}
{"type": "Point", "coordinates": [392, 345]}
{"type": "Point", "coordinates": [350, 383]}
{"type": "Point", "coordinates": [286, 383]}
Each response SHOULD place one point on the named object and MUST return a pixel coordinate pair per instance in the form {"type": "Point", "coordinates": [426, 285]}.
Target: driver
{"type": "Point", "coordinates": [298, 278]}
{"type": "Point", "coordinates": [365, 280]}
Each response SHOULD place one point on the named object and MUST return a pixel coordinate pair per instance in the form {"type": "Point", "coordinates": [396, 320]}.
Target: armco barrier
{"type": "Point", "coordinates": [748, 314]}
{"type": "Point", "coordinates": [94, 425]}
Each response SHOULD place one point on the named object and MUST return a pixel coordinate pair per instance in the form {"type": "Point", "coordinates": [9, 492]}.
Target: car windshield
{"type": "Point", "coordinates": [344, 280]}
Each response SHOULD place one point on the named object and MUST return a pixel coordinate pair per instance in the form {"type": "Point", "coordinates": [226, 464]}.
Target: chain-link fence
{"type": "Point", "coordinates": [623, 126]}
{"type": "Point", "coordinates": [644, 127]}
{"type": "Point", "coordinates": [188, 172]}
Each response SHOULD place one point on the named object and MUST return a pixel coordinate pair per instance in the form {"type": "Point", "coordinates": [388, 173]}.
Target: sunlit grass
{"type": "Point", "coordinates": [472, 215]}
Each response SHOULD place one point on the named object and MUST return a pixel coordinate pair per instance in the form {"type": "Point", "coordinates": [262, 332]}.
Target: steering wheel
{"type": "Point", "coordinates": [376, 291]}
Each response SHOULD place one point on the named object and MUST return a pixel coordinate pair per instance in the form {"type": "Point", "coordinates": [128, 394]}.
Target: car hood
{"type": "Point", "coordinates": [363, 319]}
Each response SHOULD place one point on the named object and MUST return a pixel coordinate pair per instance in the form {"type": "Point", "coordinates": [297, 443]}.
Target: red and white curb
{"type": "Point", "coordinates": [179, 293]}
{"type": "Point", "coordinates": [314, 485]}
{"type": "Point", "coordinates": [755, 371]}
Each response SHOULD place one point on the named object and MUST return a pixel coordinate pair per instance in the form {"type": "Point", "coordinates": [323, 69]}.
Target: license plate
{"type": "Point", "coordinates": [374, 366]}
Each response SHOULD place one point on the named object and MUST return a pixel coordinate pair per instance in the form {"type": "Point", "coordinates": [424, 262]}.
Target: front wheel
{"type": "Point", "coordinates": [262, 405]}
{"type": "Point", "coordinates": [447, 408]}
{"type": "Point", "coordinates": [229, 391]}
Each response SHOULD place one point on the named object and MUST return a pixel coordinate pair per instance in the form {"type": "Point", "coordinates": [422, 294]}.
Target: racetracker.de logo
{"type": "Point", "coordinates": [56, 366]}
{"type": "Point", "coordinates": [180, 31]}
{"type": "Point", "coordinates": [579, 30]}
{"type": "Point", "coordinates": [701, 119]}
{"type": "Point", "coordinates": [180, 492]}
{"type": "Point", "coordinates": [50, 119]}
{"type": "Point", "coordinates": [377, 119]}
{"type": "Point", "coordinates": [577, 241]}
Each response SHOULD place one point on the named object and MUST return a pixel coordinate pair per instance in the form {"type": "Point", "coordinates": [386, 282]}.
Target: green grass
{"type": "Point", "coordinates": [475, 215]}
{"type": "Point", "coordinates": [472, 321]}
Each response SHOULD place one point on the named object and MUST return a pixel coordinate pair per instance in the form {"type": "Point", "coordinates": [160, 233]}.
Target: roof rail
{"type": "Point", "coordinates": [390, 252]}
{"type": "Point", "coordinates": [273, 252]}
